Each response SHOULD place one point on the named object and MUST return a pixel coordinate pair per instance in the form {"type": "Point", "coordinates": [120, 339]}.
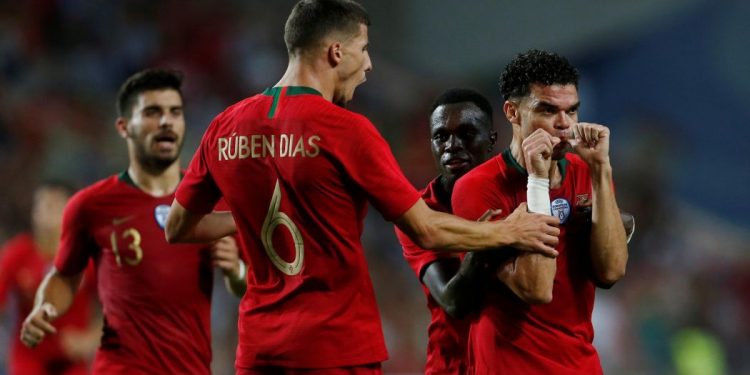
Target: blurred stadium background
{"type": "Point", "coordinates": [669, 77]}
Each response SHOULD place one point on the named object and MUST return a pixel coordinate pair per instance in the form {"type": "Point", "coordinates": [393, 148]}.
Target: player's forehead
{"type": "Point", "coordinates": [558, 95]}
{"type": "Point", "coordinates": [167, 97]}
{"type": "Point", "coordinates": [453, 116]}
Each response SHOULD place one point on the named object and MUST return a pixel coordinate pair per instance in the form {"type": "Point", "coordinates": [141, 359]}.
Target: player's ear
{"type": "Point", "coordinates": [121, 125]}
{"type": "Point", "coordinates": [510, 109]}
{"type": "Point", "coordinates": [334, 54]}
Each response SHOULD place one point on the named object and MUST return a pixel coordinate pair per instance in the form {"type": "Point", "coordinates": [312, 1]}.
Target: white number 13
{"type": "Point", "coordinates": [275, 218]}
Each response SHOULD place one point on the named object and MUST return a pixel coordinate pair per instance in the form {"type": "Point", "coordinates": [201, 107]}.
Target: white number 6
{"type": "Point", "coordinates": [273, 218]}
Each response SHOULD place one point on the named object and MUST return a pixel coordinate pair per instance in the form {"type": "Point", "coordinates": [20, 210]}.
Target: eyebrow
{"type": "Point", "coordinates": [548, 105]}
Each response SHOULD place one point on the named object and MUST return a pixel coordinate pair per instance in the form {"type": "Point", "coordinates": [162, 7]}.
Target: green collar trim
{"type": "Point", "coordinates": [278, 92]}
{"type": "Point", "coordinates": [125, 177]}
{"type": "Point", "coordinates": [510, 160]}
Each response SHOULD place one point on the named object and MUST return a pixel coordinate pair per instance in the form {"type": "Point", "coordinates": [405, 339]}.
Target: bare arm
{"type": "Point", "coordinates": [609, 250]}
{"type": "Point", "coordinates": [225, 256]}
{"type": "Point", "coordinates": [185, 226]}
{"type": "Point", "coordinates": [53, 298]}
{"type": "Point", "coordinates": [440, 231]}
{"type": "Point", "coordinates": [530, 277]}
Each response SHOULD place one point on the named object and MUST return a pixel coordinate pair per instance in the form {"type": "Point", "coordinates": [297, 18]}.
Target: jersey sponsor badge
{"type": "Point", "coordinates": [160, 214]}
{"type": "Point", "coordinates": [561, 209]}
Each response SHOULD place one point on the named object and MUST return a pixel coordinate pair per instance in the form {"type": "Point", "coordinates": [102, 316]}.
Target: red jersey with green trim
{"type": "Point", "coordinates": [297, 172]}
{"type": "Point", "coordinates": [510, 336]}
{"type": "Point", "coordinates": [446, 336]}
{"type": "Point", "coordinates": [22, 268]}
{"type": "Point", "coordinates": [156, 297]}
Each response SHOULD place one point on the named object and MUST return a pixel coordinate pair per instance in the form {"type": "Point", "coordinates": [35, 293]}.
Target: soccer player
{"type": "Point", "coordinates": [538, 320]}
{"type": "Point", "coordinates": [23, 263]}
{"type": "Point", "coordinates": [297, 170]}
{"type": "Point", "coordinates": [155, 296]}
{"type": "Point", "coordinates": [462, 137]}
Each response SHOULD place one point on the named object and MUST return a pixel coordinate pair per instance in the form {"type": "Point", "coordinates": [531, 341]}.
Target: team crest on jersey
{"type": "Point", "coordinates": [160, 214]}
{"type": "Point", "coordinates": [561, 209]}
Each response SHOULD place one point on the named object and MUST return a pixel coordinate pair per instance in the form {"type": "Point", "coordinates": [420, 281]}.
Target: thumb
{"type": "Point", "coordinates": [49, 312]}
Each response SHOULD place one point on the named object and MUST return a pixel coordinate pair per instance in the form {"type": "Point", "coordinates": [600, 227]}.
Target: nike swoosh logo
{"type": "Point", "coordinates": [120, 220]}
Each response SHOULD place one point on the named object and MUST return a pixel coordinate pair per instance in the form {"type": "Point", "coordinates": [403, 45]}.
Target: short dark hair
{"type": "Point", "coordinates": [458, 95]}
{"type": "Point", "coordinates": [57, 184]}
{"type": "Point", "coordinates": [146, 80]}
{"type": "Point", "coordinates": [535, 66]}
{"type": "Point", "coordinates": [311, 20]}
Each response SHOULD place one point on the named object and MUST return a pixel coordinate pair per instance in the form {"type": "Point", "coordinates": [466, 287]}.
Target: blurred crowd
{"type": "Point", "coordinates": [683, 307]}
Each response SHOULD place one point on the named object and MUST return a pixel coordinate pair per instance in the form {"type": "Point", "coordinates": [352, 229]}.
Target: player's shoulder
{"type": "Point", "coordinates": [18, 245]}
{"type": "Point", "coordinates": [490, 170]}
{"type": "Point", "coordinates": [96, 190]}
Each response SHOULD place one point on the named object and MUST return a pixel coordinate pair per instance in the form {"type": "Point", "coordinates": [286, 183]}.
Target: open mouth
{"type": "Point", "coordinates": [166, 140]}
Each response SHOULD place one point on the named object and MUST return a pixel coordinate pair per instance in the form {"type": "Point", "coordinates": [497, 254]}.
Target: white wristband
{"type": "Point", "coordinates": [537, 195]}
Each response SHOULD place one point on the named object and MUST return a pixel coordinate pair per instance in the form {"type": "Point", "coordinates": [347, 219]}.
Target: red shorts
{"type": "Point", "coordinates": [371, 369]}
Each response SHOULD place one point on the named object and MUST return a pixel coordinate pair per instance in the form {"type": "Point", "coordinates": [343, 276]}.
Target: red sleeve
{"type": "Point", "coordinates": [8, 263]}
{"type": "Point", "coordinates": [76, 243]}
{"type": "Point", "coordinates": [197, 191]}
{"type": "Point", "coordinates": [417, 257]}
{"type": "Point", "coordinates": [476, 193]}
{"type": "Point", "coordinates": [368, 160]}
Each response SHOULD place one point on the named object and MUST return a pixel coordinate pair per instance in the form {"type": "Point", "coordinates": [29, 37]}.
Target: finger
{"type": "Point", "coordinates": [550, 240]}
{"type": "Point", "coordinates": [33, 331]}
{"type": "Point", "coordinates": [45, 326]}
{"type": "Point", "coordinates": [489, 214]}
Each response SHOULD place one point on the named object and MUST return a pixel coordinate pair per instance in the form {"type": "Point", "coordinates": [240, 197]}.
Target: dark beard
{"type": "Point", "coordinates": [154, 164]}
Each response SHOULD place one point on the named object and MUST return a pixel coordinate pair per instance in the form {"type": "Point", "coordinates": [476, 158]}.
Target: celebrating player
{"type": "Point", "coordinates": [538, 321]}
{"type": "Point", "coordinates": [155, 296]}
{"type": "Point", "coordinates": [297, 170]}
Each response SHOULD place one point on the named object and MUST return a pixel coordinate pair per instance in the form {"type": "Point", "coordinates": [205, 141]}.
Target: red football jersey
{"type": "Point", "coordinates": [156, 297]}
{"type": "Point", "coordinates": [22, 268]}
{"type": "Point", "coordinates": [513, 337]}
{"type": "Point", "coordinates": [297, 172]}
{"type": "Point", "coordinates": [447, 336]}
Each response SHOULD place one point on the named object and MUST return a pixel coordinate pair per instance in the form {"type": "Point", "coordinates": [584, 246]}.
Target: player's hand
{"type": "Point", "coordinates": [535, 233]}
{"type": "Point", "coordinates": [537, 151]}
{"type": "Point", "coordinates": [38, 325]}
{"type": "Point", "coordinates": [225, 256]}
{"type": "Point", "coordinates": [592, 143]}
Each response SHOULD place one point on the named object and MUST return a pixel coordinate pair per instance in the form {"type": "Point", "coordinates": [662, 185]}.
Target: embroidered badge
{"type": "Point", "coordinates": [561, 209]}
{"type": "Point", "coordinates": [160, 214]}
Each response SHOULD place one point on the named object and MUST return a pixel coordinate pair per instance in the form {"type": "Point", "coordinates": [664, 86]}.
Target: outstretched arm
{"type": "Point", "coordinates": [185, 226]}
{"type": "Point", "coordinates": [53, 298]}
{"type": "Point", "coordinates": [431, 229]}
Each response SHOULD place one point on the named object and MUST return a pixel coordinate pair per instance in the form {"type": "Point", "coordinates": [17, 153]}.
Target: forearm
{"type": "Point", "coordinates": [440, 231]}
{"type": "Point", "coordinates": [57, 290]}
{"type": "Point", "coordinates": [531, 277]}
{"type": "Point", "coordinates": [184, 226]}
{"type": "Point", "coordinates": [460, 294]}
{"type": "Point", "coordinates": [609, 252]}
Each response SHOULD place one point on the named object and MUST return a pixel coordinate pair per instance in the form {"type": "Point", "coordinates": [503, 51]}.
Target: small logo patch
{"type": "Point", "coordinates": [160, 214]}
{"type": "Point", "coordinates": [582, 199]}
{"type": "Point", "coordinates": [561, 209]}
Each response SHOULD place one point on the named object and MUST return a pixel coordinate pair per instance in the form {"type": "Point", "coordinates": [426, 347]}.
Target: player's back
{"type": "Point", "coordinates": [297, 172]}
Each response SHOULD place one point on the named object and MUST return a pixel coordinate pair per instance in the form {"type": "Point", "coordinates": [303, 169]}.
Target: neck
{"type": "Point", "coordinates": [155, 183]}
{"type": "Point", "coordinates": [444, 189]}
{"type": "Point", "coordinates": [46, 241]}
{"type": "Point", "coordinates": [301, 72]}
{"type": "Point", "coordinates": [554, 174]}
